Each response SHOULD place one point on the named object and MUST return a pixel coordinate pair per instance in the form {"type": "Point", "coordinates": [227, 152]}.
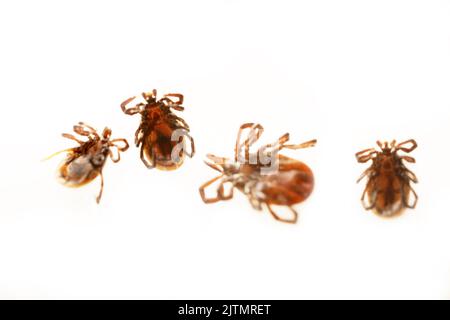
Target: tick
{"type": "Point", "coordinates": [265, 177]}
{"type": "Point", "coordinates": [388, 190]}
{"type": "Point", "coordinates": [85, 162]}
{"type": "Point", "coordinates": [161, 133]}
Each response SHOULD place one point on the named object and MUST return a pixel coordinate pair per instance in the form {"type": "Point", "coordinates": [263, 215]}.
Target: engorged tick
{"type": "Point", "coordinates": [265, 177]}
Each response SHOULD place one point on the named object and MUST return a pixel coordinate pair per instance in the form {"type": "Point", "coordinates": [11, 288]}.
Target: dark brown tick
{"type": "Point", "coordinates": [388, 190]}
{"type": "Point", "coordinates": [161, 133]}
{"type": "Point", "coordinates": [265, 177]}
{"type": "Point", "coordinates": [84, 163]}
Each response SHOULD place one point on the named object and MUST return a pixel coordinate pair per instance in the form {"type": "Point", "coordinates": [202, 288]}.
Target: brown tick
{"type": "Point", "coordinates": [84, 163]}
{"type": "Point", "coordinates": [388, 190]}
{"type": "Point", "coordinates": [265, 177]}
{"type": "Point", "coordinates": [161, 133]}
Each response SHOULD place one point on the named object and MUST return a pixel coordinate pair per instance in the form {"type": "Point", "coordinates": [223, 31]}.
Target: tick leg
{"type": "Point", "coordinates": [80, 130]}
{"type": "Point", "coordinates": [217, 162]}
{"type": "Point", "coordinates": [364, 203]}
{"type": "Point", "coordinates": [124, 104]}
{"type": "Point", "coordinates": [303, 145]}
{"type": "Point", "coordinates": [71, 137]}
{"type": "Point", "coordinates": [238, 146]}
{"type": "Point", "coordinates": [169, 104]}
{"type": "Point", "coordinates": [255, 132]}
{"type": "Point", "coordinates": [176, 118]}
{"type": "Point", "coordinates": [137, 136]}
{"type": "Point", "coordinates": [138, 142]}
{"type": "Point", "coordinates": [214, 166]}
{"type": "Point", "coordinates": [416, 197]}
{"type": "Point", "coordinates": [221, 191]}
{"type": "Point", "coordinates": [133, 110]}
{"type": "Point", "coordinates": [113, 144]}
{"type": "Point", "coordinates": [174, 104]}
{"type": "Point", "coordinates": [147, 164]}
{"type": "Point", "coordinates": [120, 148]}
{"type": "Point", "coordinates": [191, 154]}
{"type": "Point", "coordinates": [84, 130]}
{"type": "Point", "coordinates": [88, 127]}
{"type": "Point", "coordinates": [411, 176]}
{"type": "Point", "coordinates": [111, 155]}
{"type": "Point", "coordinates": [204, 186]}
{"type": "Point", "coordinates": [175, 95]}
{"type": "Point", "coordinates": [405, 202]}
{"type": "Point", "coordinates": [366, 155]}
{"type": "Point", "coordinates": [402, 147]}
{"type": "Point", "coordinates": [365, 173]}
{"type": "Point", "coordinates": [280, 144]}
{"type": "Point", "coordinates": [278, 218]}
{"type": "Point", "coordinates": [408, 159]}
{"type": "Point", "coordinates": [277, 146]}
{"type": "Point", "coordinates": [253, 136]}
{"type": "Point", "coordinates": [184, 123]}
{"type": "Point", "coordinates": [99, 197]}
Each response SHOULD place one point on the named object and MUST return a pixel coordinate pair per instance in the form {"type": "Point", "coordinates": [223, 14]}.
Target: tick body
{"type": "Point", "coordinates": [265, 177]}
{"type": "Point", "coordinates": [85, 163]}
{"type": "Point", "coordinates": [388, 190]}
{"type": "Point", "coordinates": [161, 134]}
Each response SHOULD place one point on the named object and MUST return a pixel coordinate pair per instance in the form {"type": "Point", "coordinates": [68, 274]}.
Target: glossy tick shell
{"type": "Point", "coordinates": [281, 181]}
{"type": "Point", "coordinates": [388, 190]}
{"type": "Point", "coordinates": [161, 134]}
{"type": "Point", "coordinates": [293, 184]}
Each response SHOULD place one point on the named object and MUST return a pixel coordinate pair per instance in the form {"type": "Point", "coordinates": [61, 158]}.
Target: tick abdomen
{"type": "Point", "coordinates": [161, 147]}
{"type": "Point", "coordinates": [77, 172]}
{"type": "Point", "coordinates": [385, 191]}
{"type": "Point", "coordinates": [289, 187]}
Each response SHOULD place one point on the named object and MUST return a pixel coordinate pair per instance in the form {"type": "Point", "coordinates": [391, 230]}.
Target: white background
{"type": "Point", "coordinates": [344, 72]}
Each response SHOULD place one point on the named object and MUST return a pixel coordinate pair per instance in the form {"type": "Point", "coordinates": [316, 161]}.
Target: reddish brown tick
{"type": "Point", "coordinates": [161, 133]}
{"type": "Point", "coordinates": [265, 177]}
{"type": "Point", "coordinates": [388, 190]}
{"type": "Point", "coordinates": [84, 163]}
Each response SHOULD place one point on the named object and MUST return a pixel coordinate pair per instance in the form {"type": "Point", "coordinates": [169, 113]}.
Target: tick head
{"type": "Point", "coordinates": [150, 97]}
{"type": "Point", "coordinates": [106, 134]}
{"type": "Point", "coordinates": [386, 147]}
